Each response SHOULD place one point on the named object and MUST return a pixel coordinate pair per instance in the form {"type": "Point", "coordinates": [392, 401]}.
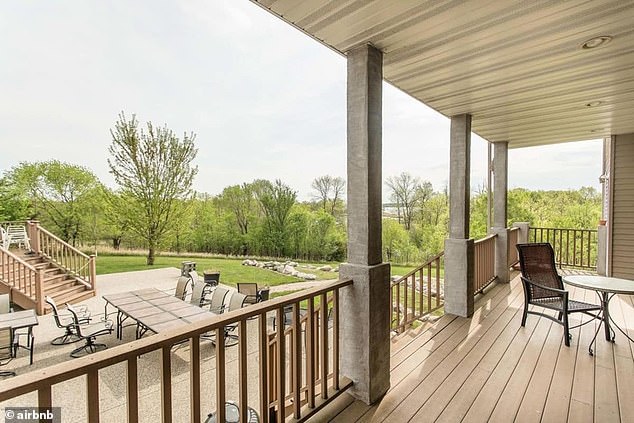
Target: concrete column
{"type": "Point", "coordinates": [365, 306]}
{"type": "Point", "coordinates": [459, 253]}
{"type": "Point", "coordinates": [522, 236]}
{"type": "Point", "coordinates": [500, 198]}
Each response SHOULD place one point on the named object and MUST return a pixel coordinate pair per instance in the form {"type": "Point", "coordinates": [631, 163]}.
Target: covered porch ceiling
{"type": "Point", "coordinates": [518, 67]}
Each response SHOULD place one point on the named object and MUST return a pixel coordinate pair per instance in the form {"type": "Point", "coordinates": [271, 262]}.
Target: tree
{"type": "Point", "coordinates": [328, 189]}
{"type": "Point", "coordinates": [338, 185]}
{"type": "Point", "coordinates": [404, 188]}
{"type": "Point", "coordinates": [276, 200]}
{"type": "Point", "coordinates": [154, 169]}
{"type": "Point", "coordinates": [61, 194]}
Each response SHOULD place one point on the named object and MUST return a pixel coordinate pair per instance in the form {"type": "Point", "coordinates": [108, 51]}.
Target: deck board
{"type": "Point", "coordinates": [489, 368]}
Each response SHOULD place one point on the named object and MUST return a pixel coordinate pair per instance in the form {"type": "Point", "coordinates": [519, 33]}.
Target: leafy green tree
{"type": "Point", "coordinates": [154, 168]}
{"type": "Point", "coordinates": [276, 200]}
{"type": "Point", "coordinates": [61, 194]}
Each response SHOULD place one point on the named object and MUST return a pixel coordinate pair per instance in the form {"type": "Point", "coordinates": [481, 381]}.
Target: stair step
{"type": "Point", "coordinates": [54, 285]}
{"type": "Point", "coordinates": [64, 290]}
{"type": "Point", "coordinates": [80, 294]}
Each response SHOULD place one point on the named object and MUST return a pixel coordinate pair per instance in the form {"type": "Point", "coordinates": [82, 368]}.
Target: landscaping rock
{"type": "Point", "coordinates": [325, 268]}
{"type": "Point", "coordinates": [306, 276]}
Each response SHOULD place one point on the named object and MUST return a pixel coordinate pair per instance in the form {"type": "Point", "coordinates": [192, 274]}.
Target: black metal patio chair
{"type": "Point", "coordinates": [89, 334]}
{"type": "Point", "coordinates": [65, 321]}
{"type": "Point", "coordinates": [544, 287]}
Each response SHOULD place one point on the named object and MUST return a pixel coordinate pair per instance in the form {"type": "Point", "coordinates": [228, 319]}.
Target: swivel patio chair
{"type": "Point", "coordinates": [182, 286]}
{"type": "Point", "coordinates": [193, 275]}
{"type": "Point", "coordinates": [199, 295]}
{"type": "Point", "coordinates": [236, 302]}
{"type": "Point", "coordinates": [217, 304]}
{"type": "Point", "coordinates": [65, 321]}
{"type": "Point", "coordinates": [544, 287]}
{"type": "Point", "coordinates": [7, 350]}
{"type": "Point", "coordinates": [251, 292]}
{"type": "Point", "coordinates": [89, 334]}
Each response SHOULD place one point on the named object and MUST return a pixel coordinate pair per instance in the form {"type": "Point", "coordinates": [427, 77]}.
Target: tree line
{"type": "Point", "coordinates": [154, 206]}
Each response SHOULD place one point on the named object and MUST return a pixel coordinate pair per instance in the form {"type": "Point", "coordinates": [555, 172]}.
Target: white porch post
{"type": "Point", "coordinates": [500, 200]}
{"type": "Point", "coordinates": [365, 306]}
{"type": "Point", "coordinates": [459, 253]}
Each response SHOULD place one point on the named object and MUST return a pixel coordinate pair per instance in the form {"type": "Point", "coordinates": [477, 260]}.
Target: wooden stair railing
{"type": "Point", "coordinates": [416, 294]}
{"type": "Point", "coordinates": [23, 280]}
{"type": "Point", "coordinates": [65, 256]}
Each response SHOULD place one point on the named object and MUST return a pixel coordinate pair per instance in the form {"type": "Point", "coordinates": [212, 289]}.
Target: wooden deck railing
{"type": "Point", "coordinates": [64, 255]}
{"type": "Point", "coordinates": [484, 262]}
{"type": "Point", "coordinates": [573, 247]}
{"type": "Point", "coordinates": [417, 293]}
{"type": "Point", "coordinates": [313, 360]}
{"type": "Point", "coordinates": [23, 279]}
{"type": "Point", "coordinates": [512, 254]}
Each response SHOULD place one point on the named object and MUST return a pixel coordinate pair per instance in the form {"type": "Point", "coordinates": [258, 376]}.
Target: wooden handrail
{"type": "Point", "coordinates": [62, 242]}
{"type": "Point", "coordinates": [484, 260]}
{"type": "Point", "coordinates": [64, 255]}
{"type": "Point", "coordinates": [42, 380]}
{"type": "Point", "coordinates": [413, 297]}
{"type": "Point", "coordinates": [19, 275]}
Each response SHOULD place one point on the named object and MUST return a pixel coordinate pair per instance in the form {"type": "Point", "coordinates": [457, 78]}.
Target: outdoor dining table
{"type": "Point", "coordinates": [606, 288]}
{"type": "Point", "coordinates": [24, 319]}
{"type": "Point", "coordinates": [153, 310]}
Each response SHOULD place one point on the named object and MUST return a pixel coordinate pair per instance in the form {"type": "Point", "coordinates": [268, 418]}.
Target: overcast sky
{"type": "Point", "coordinates": [265, 100]}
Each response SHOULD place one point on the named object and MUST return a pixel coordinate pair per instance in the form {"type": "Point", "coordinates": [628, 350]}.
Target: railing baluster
{"type": "Point", "coordinates": [92, 385]}
{"type": "Point", "coordinates": [132, 391]}
{"type": "Point", "coordinates": [243, 369]}
{"type": "Point", "coordinates": [324, 345]}
{"type": "Point", "coordinates": [264, 383]}
{"type": "Point", "coordinates": [166, 385]}
{"type": "Point", "coordinates": [44, 397]}
{"type": "Point", "coordinates": [335, 335]}
{"type": "Point", "coordinates": [310, 353]}
{"type": "Point", "coordinates": [297, 362]}
{"type": "Point", "coordinates": [194, 378]}
{"type": "Point", "coordinates": [220, 375]}
{"type": "Point", "coordinates": [281, 367]}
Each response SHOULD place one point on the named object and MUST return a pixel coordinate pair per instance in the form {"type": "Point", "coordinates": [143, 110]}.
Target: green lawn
{"type": "Point", "coordinates": [231, 270]}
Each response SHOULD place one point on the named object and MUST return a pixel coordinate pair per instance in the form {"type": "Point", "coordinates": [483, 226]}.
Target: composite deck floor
{"type": "Point", "coordinates": [490, 369]}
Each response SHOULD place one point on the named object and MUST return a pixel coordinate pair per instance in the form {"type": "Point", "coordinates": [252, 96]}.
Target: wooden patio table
{"type": "Point", "coordinates": [154, 310]}
{"type": "Point", "coordinates": [606, 288]}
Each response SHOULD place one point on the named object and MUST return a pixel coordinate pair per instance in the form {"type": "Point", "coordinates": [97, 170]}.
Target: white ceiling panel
{"type": "Point", "coordinates": [516, 66]}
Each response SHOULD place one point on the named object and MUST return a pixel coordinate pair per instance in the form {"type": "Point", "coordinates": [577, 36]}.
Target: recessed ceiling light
{"type": "Point", "coordinates": [596, 42]}
{"type": "Point", "coordinates": [594, 103]}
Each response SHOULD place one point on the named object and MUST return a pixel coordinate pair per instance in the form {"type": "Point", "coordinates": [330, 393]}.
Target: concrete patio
{"type": "Point", "coordinates": [70, 395]}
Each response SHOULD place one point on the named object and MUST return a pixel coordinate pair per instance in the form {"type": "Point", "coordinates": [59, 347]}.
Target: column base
{"type": "Point", "coordinates": [501, 254]}
{"type": "Point", "coordinates": [365, 330]}
{"type": "Point", "coordinates": [459, 277]}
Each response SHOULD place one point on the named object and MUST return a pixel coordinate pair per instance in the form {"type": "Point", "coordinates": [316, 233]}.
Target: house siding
{"type": "Point", "coordinates": [623, 207]}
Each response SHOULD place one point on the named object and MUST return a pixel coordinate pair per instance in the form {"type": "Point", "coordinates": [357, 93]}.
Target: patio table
{"type": "Point", "coordinates": [606, 288]}
{"type": "Point", "coordinates": [152, 309]}
{"type": "Point", "coordinates": [20, 320]}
